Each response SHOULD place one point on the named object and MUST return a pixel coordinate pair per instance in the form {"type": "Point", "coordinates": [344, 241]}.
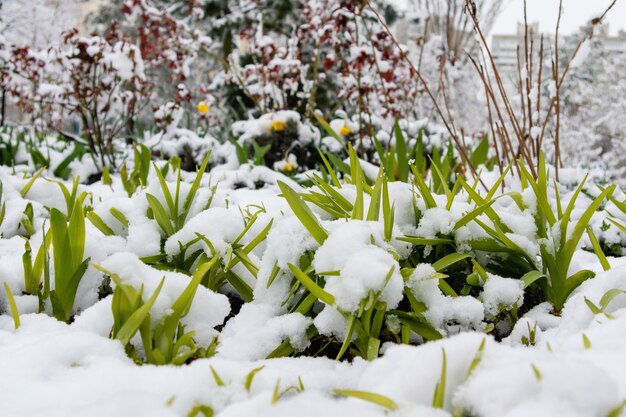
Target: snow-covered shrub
{"type": "Point", "coordinates": [337, 56]}
{"type": "Point", "coordinates": [109, 84]}
{"type": "Point", "coordinates": [593, 93]}
{"type": "Point", "coordinates": [99, 82]}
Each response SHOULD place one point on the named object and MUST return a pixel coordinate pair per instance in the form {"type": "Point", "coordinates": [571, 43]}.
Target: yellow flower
{"type": "Point", "coordinates": [202, 108]}
{"type": "Point", "coordinates": [289, 167]}
{"type": "Point", "coordinates": [278, 126]}
{"type": "Point", "coordinates": [345, 130]}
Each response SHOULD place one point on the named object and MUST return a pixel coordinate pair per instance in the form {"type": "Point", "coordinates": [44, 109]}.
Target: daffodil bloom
{"type": "Point", "coordinates": [202, 108]}
{"type": "Point", "coordinates": [345, 130]}
{"type": "Point", "coordinates": [289, 167]}
{"type": "Point", "coordinates": [278, 126]}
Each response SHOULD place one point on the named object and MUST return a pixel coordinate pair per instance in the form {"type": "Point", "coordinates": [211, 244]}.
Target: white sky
{"type": "Point", "coordinates": [575, 14]}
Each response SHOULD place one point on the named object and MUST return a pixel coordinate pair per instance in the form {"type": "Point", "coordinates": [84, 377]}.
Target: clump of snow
{"type": "Point", "coordinates": [436, 221]}
{"type": "Point", "coordinates": [258, 329]}
{"type": "Point", "coordinates": [207, 310]}
{"type": "Point", "coordinates": [448, 314]}
{"type": "Point", "coordinates": [286, 243]}
{"type": "Point", "coordinates": [126, 60]}
{"type": "Point", "coordinates": [330, 322]}
{"type": "Point", "coordinates": [357, 249]}
{"type": "Point", "coordinates": [501, 293]}
{"type": "Point", "coordinates": [218, 225]}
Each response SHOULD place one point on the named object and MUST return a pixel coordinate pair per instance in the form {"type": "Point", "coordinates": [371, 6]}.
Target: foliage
{"type": "Point", "coordinates": [163, 343]}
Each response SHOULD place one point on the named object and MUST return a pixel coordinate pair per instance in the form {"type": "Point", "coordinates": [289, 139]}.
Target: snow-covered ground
{"type": "Point", "coordinates": [53, 369]}
{"type": "Point", "coordinates": [574, 366]}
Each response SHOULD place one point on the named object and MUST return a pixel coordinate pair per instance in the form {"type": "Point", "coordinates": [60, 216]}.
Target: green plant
{"type": "Point", "coordinates": [66, 236]}
{"type": "Point", "coordinates": [557, 255]}
{"type": "Point", "coordinates": [62, 170]}
{"type": "Point", "coordinates": [102, 226]}
{"type": "Point", "coordinates": [598, 249]}
{"type": "Point", "coordinates": [531, 339]}
{"type": "Point", "coordinates": [200, 409]}
{"type": "Point", "coordinates": [138, 177]}
{"type": "Point", "coordinates": [10, 145]}
{"type": "Point", "coordinates": [27, 221]}
{"type": "Point", "coordinates": [440, 388]}
{"type": "Point", "coordinates": [237, 253]}
{"type": "Point", "coordinates": [618, 410]}
{"type": "Point", "coordinates": [68, 245]}
{"type": "Point", "coordinates": [604, 302]}
{"type": "Point", "coordinates": [173, 219]}
{"type": "Point", "coordinates": [368, 323]}
{"type": "Point", "coordinates": [260, 152]}
{"type": "Point", "coordinates": [12, 306]}
{"type": "Point", "coordinates": [165, 342]}
{"type": "Point", "coordinates": [72, 197]}
{"type": "Point", "coordinates": [557, 239]}
{"type": "Point", "coordinates": [33, 270]}
{"type": "Point", "coordinates": [372, 397]}
{"type": "Point", "coordinates": [329, 199]}
{"type": "Point", "coordinates": [396, 161]}
{"type": "Point", "coordinates": [30, 182]}
{"type": "Point", "coordinates": [304, 213]}
{"type": "Point", "coordinates": [278, 393]}
{"type": "Point", "coordinates": [621, 206]}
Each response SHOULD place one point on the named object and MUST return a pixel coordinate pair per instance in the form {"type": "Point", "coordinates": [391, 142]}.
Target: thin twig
{"type": "Point", "coordinates": [447, 123]}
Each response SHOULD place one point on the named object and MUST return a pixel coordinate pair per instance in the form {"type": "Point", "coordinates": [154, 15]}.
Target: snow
{"type": "Point", "coordinates": [219, 225]}
{"type": "Point", "coordinates": [500, 293]}
{"type": "Point", "coordinates": [504, 351]}
{"type": "Point", "coordinates": [448, 314]}
{"type": "Point", "coordinates": [77, 366]}
{"type": "Point", "coordinates": [207, 310]}
{"type": "Point", "coordinates": [364, 265]}
{"type": "Point", "coordinates": [54, 369]}
{"type": "Point", "coordinates": [126, 60]}
{"type": "Point", "coordinates": [436, 220]}
{"type": "Point", "coordinates": [286, 243]}
{"type": "Point", "coordinates": [258, 329]}
{"type": "Point", "coordinates": [246, 131]}
{"type": "Point", "coordinates": [542, 364]}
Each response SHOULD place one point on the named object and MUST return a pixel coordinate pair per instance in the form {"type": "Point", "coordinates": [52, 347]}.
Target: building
{"type": "Point", "coordinates": [616, 44]}
{"type": "Point", "coordinates": [409, 31]}
{"type": "Point", "coordinates": [504, 48]}
{"type": "Point", "coordinates": [414, 30]}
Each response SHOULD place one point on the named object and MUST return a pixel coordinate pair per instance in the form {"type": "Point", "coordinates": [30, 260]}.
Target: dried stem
{"type": "Point", "coordinates": [449, 124]}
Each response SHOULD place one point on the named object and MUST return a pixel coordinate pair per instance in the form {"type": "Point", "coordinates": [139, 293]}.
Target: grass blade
{"type": "Point", "coordinates": [598, 250]}
{"type": "Point", "coordinates": [160, 215]}
{"type": "Point", "coordinates": [12, 306]}
{"type": "Point", "coordinates": [403, 159]}
{"type": "Point", "coordinates": [440, 389]}
{"type": "Point", "coordinates": [100, 224]}
{"type": "Point", "coordinates": [134, 322]}
{"type": "Point", "coordinates": [30, 182]}
{"type": "Point", "coordinates": [304, 213]}
{"type": "Point", "coordinates": [450, 259]}
{"type": "Point", "coordinates": [378, 399]}
{"type": "Point", "coordinates": [313, 288]}
{"type": "Point", "coordinates": [328, 129]}
{"type": "Point", "coordinates": [424, 190]}
{"type": "Point", "coordinates": [194, 187]}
